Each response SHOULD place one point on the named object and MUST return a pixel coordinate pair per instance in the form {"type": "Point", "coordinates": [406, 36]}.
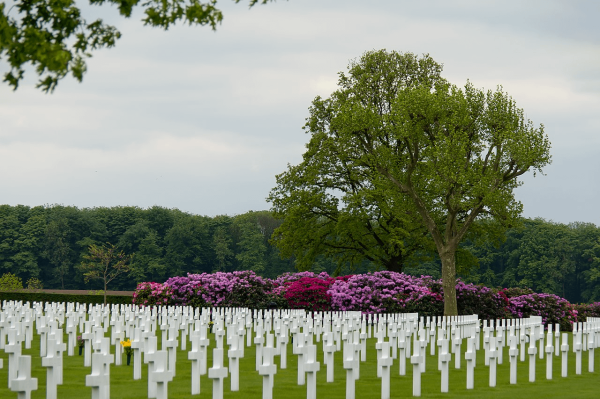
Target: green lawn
{"type": "Point", "coordinates": [586, 385]}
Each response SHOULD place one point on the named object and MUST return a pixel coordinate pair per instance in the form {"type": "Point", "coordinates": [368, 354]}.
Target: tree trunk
{"type": "Point", "coordinates": [395, 264]}
{"type": "Point", "coordinates": [448, 257]}
{"type": "Point", "coordinates": [105, 292]}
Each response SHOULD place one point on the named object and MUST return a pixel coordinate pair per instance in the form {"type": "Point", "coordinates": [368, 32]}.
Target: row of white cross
{"type": "Point", "coordinates": [400, 337]}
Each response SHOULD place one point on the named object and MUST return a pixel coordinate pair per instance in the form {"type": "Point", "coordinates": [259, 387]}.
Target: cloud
{"type": "Point", "coordinates": [203, 120]}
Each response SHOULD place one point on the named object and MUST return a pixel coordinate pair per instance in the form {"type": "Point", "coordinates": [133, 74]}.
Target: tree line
{"type": "Point", "coordinates": [51, 242]}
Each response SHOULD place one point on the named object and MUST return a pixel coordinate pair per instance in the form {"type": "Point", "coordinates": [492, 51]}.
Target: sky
{"type": "Point", "coordinates": [202, 121]}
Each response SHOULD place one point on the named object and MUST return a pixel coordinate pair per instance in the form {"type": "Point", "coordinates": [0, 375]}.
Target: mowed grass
{"type": "Point", "coordinates": [122, 384]}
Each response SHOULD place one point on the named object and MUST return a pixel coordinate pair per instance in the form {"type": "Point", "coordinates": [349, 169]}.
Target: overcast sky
{"type": "Point", "coordinates": [203, 121]}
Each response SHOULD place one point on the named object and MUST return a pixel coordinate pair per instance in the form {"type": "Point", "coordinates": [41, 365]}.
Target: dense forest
{"type": "Point", "coordinates": [50, 242]}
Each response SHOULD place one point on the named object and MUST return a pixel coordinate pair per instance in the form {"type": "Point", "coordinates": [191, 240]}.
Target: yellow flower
{"type": "Point", "coordinates": [126, 344]}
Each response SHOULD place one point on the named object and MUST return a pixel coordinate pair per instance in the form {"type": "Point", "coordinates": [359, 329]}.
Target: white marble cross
{"type": "Point", "coordinates": [564, 348]}
{"type": "Point", "coordinates": [379, 348]}
{"type": "Point", "coordinates": [137, 346]}
{"type": "Point", "coordinates": [72, 335]}
{"type": "Point", "coordinates": [43, 330]}
{"type": "Point", "coordinates": [350, 364]}
{"type": "Point", "coordinates": [577, 348]}
{"type": "Point", "coordinates": [416, 360]}
{"type": "Point", "coordinates": [492, 355]}
{"type": "Point", "coordinates": [329, 349]}
{"type": "Point", "coordinates": [13, 348]}
{"type": "Point", "coordinates": [268, 370]}
{"type": "Point", "coordinates": [23, 383]}
{"type": "Point", "coordinates": [53, 365]}
{"type": "Point", "coordinates": [513, 352]}
{"type": "Point", "coordinates": [195, 356]}
{"type": "Point", "coordinates": [150, 357]}
{"type": "Point", "coordinates": [282, 341]}
{"type": "Point", "coordinates": [171, 347]}
{"type": "Point", "coordinates": [161, 375]}
{"type": "Point", "coordinates": [87, 337]}
{"type": "Point", "coordinates": [456, 344]}
{"type": "Point", "coordinates": [311, 367]}
{"type": "Point", "coordinates": [99, 379]}
{"type": "Point", "coordinates": [217, 373]}
{"type": "Point", "coordinates": [298, 349]}
{"type": "Point", "coordinates": [402, 351]}
{"type": "Point", "coordinates": [470, 357]}
{"type": "Point", "coordinates": [385, 362]}
{"type": "Point", "coordinates": [591, 346]}
{"type": "Point", "coordinates": [234, 354]}
{"type": "Point", "coordinates": [549, 353]}
{"type": "Point", "coordinates": [445, 358]}
{"type": "Point", "coordinates": [532, 351]}
{"type": "Point", "coordinates": [556, 339]}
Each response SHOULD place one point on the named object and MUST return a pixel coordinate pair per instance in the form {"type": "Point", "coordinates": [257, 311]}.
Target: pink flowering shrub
{"type": "Point", "coordinates": [309, 293]}
{"type": "Point", "coordinates": [148, 294]}
{"type": "Point", "coordinates": [552, 308]}
{"type": "Point", "coordinates": [586, 310]}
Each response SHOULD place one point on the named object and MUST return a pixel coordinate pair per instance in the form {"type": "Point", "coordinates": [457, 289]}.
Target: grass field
{"type": "Point", "coordinates": [586, 385]}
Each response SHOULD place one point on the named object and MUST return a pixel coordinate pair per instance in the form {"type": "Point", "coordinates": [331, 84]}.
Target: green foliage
{"type": "Point", "coordinates": [10, 282]}
{"type": "Point", "coordinates": [548, 257]}
{"type": "Point", "coordinates": [55, 38]}
{"type": "Point", "coordinates": [76, 298]}
{"type": "Point", "coordinates": [104, 263]}
{"type": "Point", "coordinates": [404, 143]}
{"type": "Point", "coordinates": [49, 243]}
{"type": "Point", "coordinates": [34, 284]}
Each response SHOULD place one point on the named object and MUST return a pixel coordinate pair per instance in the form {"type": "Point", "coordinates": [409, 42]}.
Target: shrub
{"type": "Point", "coordinates": [237, 289]}
{"type": "Point", "coordinates": [186, 292]}
{"type": "Point", "coordinates": [148, 294]}
{"type": "Point", "coordinates": [375, 292]}
{"type": "Point", "coordinates": [516, 291]}
{"type": "Point", "coordinates": [586, 310]}
{"type": "Point", "coordinates": [482, 301]}
{"type": "Point", "coordinates": [34, 284]}
{"type": "Point", "coordinates": [309, 293]}
{"type": "Point", "coordinates": [10, 282]}
{"type": "Point", "coordinates": [552, 308]}
{"type": "Point", "coordinates": [424, 302]}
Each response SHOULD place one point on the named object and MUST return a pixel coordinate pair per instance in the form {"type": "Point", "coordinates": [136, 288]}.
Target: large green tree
{"type": "Point", "coordinates": [335, 208]}
{"type": "Point", "coordinates": [453, 154]}
{"type": "Point", "coordinates": [54, 37]}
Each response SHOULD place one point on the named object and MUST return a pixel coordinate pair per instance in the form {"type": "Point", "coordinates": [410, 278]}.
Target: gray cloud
{"type": "Point", "coordinates": [203, 120]}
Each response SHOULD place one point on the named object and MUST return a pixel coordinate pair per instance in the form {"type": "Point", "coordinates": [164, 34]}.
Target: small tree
{"type": "Point", "coordinates": [10, 282]}
{"type": "Point", "coordinates": [104, 263]}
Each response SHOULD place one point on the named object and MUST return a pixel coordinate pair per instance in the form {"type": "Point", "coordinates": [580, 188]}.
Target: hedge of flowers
{"type": "Point", "coordinates": [369, 293]}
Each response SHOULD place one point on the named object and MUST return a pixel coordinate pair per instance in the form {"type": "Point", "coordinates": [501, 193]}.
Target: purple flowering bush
{"type": "Point", "coordinates": [481, 300]}
{"type": "Point", "coordinates": [369, 293]}
{"type": "Point", "coordinates": [376, 292]}
{"type": "Point", "coordinates": [187, 292]}
{"type": "Point", "coordinates": [237, 289]}
{"type": "Point", "coordinates": [552, 308]}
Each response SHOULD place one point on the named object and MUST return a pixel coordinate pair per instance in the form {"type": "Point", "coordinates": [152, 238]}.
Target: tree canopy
{"type": "Point", "coordinates": [440, 154]}
{"type": "Point", "coordinates": [55, 38]}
